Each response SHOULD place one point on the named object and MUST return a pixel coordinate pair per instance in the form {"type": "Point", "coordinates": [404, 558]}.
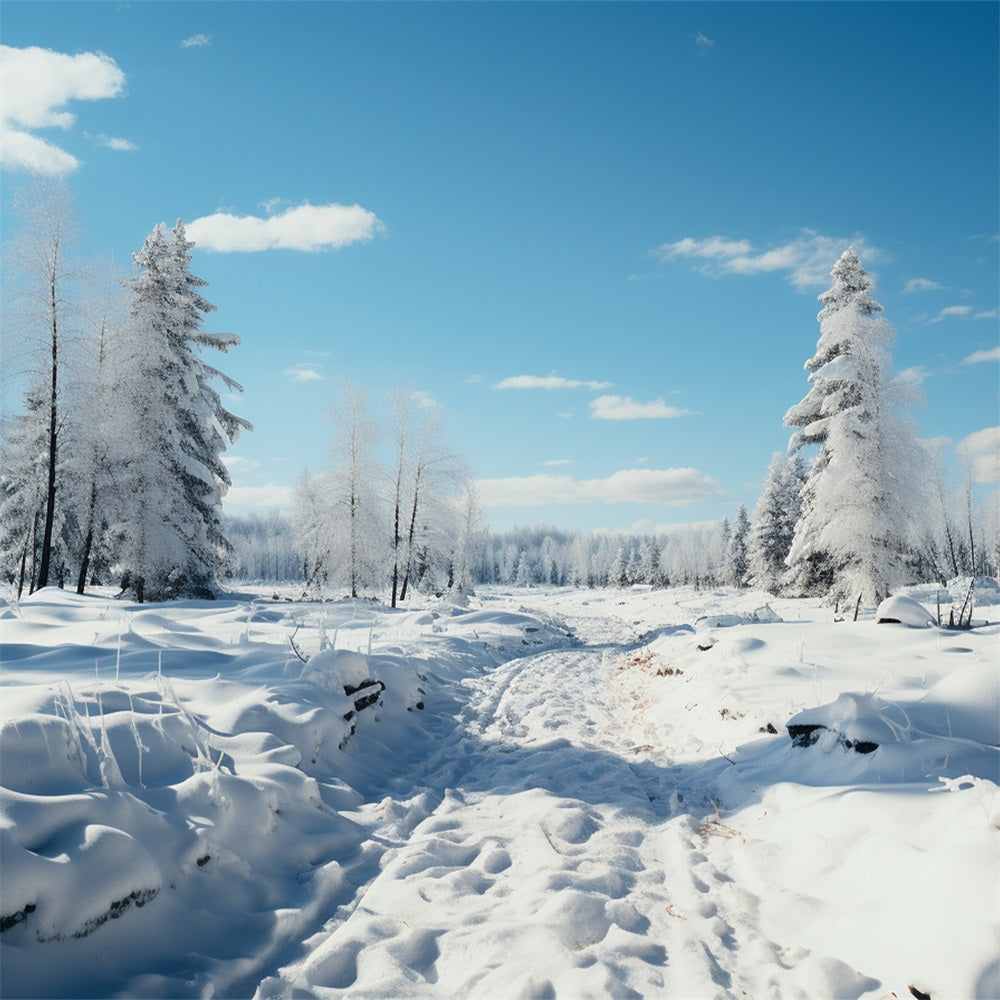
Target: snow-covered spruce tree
{"type": "Point", "coordinates": [774, 521]}
{"type": "Point", "coordinates": [171, 428]}
{"type": "Point", "coordinates": [854, 532]}
{"type": "Point", "coordinates": [736, 566]}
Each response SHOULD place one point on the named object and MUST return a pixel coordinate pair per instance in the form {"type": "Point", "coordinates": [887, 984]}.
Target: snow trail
{"type": "Point", "coordinates": [526, 857]}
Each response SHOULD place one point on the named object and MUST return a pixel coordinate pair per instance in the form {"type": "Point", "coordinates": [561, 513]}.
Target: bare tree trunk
{"type": "Point", "coordinates": [50, 496]}
{"type": "Point", "coordinates": [89, 541]}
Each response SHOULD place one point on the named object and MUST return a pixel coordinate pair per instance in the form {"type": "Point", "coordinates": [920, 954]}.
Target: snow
{"type": "Point", "coordinates": [552, 792]}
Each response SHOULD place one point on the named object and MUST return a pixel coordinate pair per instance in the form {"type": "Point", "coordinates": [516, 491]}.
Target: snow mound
{"type": "Point", "coordinates": [764, 615]}
{"type": "Point", "coordinates": [901, 610]}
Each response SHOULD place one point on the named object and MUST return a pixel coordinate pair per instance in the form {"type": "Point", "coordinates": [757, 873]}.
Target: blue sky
{"type": "Point", "coordinates": [593, 233]}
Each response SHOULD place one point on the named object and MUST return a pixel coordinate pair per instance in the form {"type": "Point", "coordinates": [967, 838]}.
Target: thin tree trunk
{"type": "Point", "coordinates": [24, 563]}
{"type": "Point", "coordinates": [412, 533]}
{"type": "Point", "coordinates": [50, 497]}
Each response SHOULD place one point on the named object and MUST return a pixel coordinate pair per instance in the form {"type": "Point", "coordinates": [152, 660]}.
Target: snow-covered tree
{"type": "Point", "coordinates": [775, 517]}
{"type": "Point", "coordinates": [172, 428]}
{"type": "Point", "coordinates": [736, 564]}
{"type": "Point", "coordinates": [855, 528]}
{"type": "Point", "coordinates": [40, 299]}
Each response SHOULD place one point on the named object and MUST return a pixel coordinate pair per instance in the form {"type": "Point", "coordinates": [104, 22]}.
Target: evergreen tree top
{"type": "Point", "coordinates": [851, 286]}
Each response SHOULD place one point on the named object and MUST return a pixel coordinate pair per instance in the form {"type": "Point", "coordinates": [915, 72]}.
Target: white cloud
{"type": "Point", "coordinates": [673, 487]}
{"type": "Point", "coordinates": [118, 145]}
{"type": "Point", "coordinates": [307, 227]}
{"type": "Point", "coordinates": [473, 379]}
{"type": "Point", "coordinates": [921, 285]}
{"type": "Point", "coordinates": [558, 461]}
{"type": "Point", "coordinates": [988, 314]}
{"type": "Point", "coordinates": [981, 450]}
{"type": "Point", "coordinates": [196, 42]}
{"type": "Point", "coordinates": [950, 312]}
{"type": "Point", "coordinates": [915, 375]}
{"type": "Point", "coordinates": [703, 43]}
{"type": "Point", "coordinates": [548, 382]}
{"type": "Point", "coordinates": [271, 495]}
{"type": "Point", "coordinates": [37, 84]}
{"type": "Point", "coordinates": [807, 259]}
{"type": "Point", "coordinates": [303, 373]}
{"type": "Point", "coordinates": [424, 399]}
{"type": "Point", "coordinates": [237, 464]}
{"type": "Point", "coordinates": [978, 357]}
{"type": "Point", "coordinates": [627, 408]}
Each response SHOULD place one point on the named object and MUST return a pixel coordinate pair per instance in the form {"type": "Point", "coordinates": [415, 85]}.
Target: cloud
{"type": "Point", "coordinates": [914, 376]}
{"type": "Point", "coordinates": [473, 379]}
{"type": "Point", "coordinates": [548, 382]}
{"type": "Point", "coordinates": [303, 373]}
{"type": "Point", "coordinates": [988, 314]}
{"type": "Point", "coordinates": [423, 399]}
{"type": "Point", "coordinates": [627, 408]}
{"type": "Point", "coordinates": [237, 464]}
{"type": "Point", "coordinates": [557, 461]}
{"type": "Point", "coordinates": [703, 43]}
{"type": "Point", "coordinates": [807, 260]}
{"type": "Point", "coordinates": [37, 84]}
{"type": "Point", "coordinates": [309, 228]}
{"type": "Point", "coordinates": [981, 450]}
{"type": "Point", "coordinates": [951, 312]}
{"type": "Point", "coordinates": [921, 285]}
{"type": "Point", "coordinates": [673, 487]}
{"type": "Point", "coordinates": [271, 495]}
{"type": "Point", "coordinates": [196, 42]}
{"type": "Point", "coordinates": [979, 357]}
{"type": "Point", "coordinates": [118, 145]}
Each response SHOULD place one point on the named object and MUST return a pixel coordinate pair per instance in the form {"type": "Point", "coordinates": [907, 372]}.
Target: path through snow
{"type": "Point", "coordinates": [535, 855]}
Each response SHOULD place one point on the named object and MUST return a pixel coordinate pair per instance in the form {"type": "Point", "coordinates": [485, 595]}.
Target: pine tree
{"type": "Point", "coordinates": [736, 566]}
{"type": "Point", "coordinates": [853, 533]}
{"type": "Point", "coordinates": [775, 517]}
{"type": "Point", "coordinates": [172, 428]}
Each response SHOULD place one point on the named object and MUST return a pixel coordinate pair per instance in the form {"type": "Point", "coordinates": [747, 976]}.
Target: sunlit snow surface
{"type": "Point", "coordinates": [558, 793]}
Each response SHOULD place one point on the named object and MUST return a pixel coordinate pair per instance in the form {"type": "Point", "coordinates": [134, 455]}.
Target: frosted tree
{"type": "Point", "coordinates": [774, 521]}
{"type": "Point", "coordinates": [171, 428]}
{"type": "Point", "coordinates": [41, 291]}
{"type": "Point", "coordinates": [736, 562]}
{"type": "Point", "coordinates": [354, 496]}
{"type": "Point", "coordinates": [855, 530]}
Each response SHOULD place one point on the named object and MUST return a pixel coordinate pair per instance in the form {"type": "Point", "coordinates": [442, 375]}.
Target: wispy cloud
{"type": "Point", "coordinates": [548, 382]}
{"type": "Point", "coordinates": [950, 312]}
{"type": "Point", "coordinates": [304, 373]}
{"type": "Point", "coordinates": [557, 461]}
{"type": "Point", "coordinates": [980, 357]}
{"type": "Point", "coordinates": [196, 42]}
{"type": "Point", "coordinates": [988, 314]}
{"type": "Point", "coordinates": [921, 285]}
{"type": "Point", "coordinates": [238, 464]}
{"type": "Point", "coordinates": [309, 228]}
{"type": "Point", "coordinates": [627, 408]}
{"type": "Point", "coordinates": [259, 497]}
{"type": "Point", "coordinates": [37, 84]}
{"type": "Point", "coordinates": [702, 42]}
{"type": "Point", "coordinates": [118, 145]}
{"type": "Point", "coordinates": [981, 450]}
{"type": "Point", "coordinates": [673, 487]}
{"type": "Point", "coordinates": [806, 260]}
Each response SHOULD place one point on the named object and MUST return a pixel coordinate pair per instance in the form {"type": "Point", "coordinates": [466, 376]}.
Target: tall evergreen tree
{"type": "Point", "coordinates": [775, 517]}
{"type": "Point", "coordinates": [854, 531]}
{"type": "Point", "coordinates": [736, 566]}
{"type": "Point", "coordinates": [173, 428]}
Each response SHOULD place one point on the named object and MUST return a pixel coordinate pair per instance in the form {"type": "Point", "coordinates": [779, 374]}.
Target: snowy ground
{"type": "Point", "coordinates": [557, 793]}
